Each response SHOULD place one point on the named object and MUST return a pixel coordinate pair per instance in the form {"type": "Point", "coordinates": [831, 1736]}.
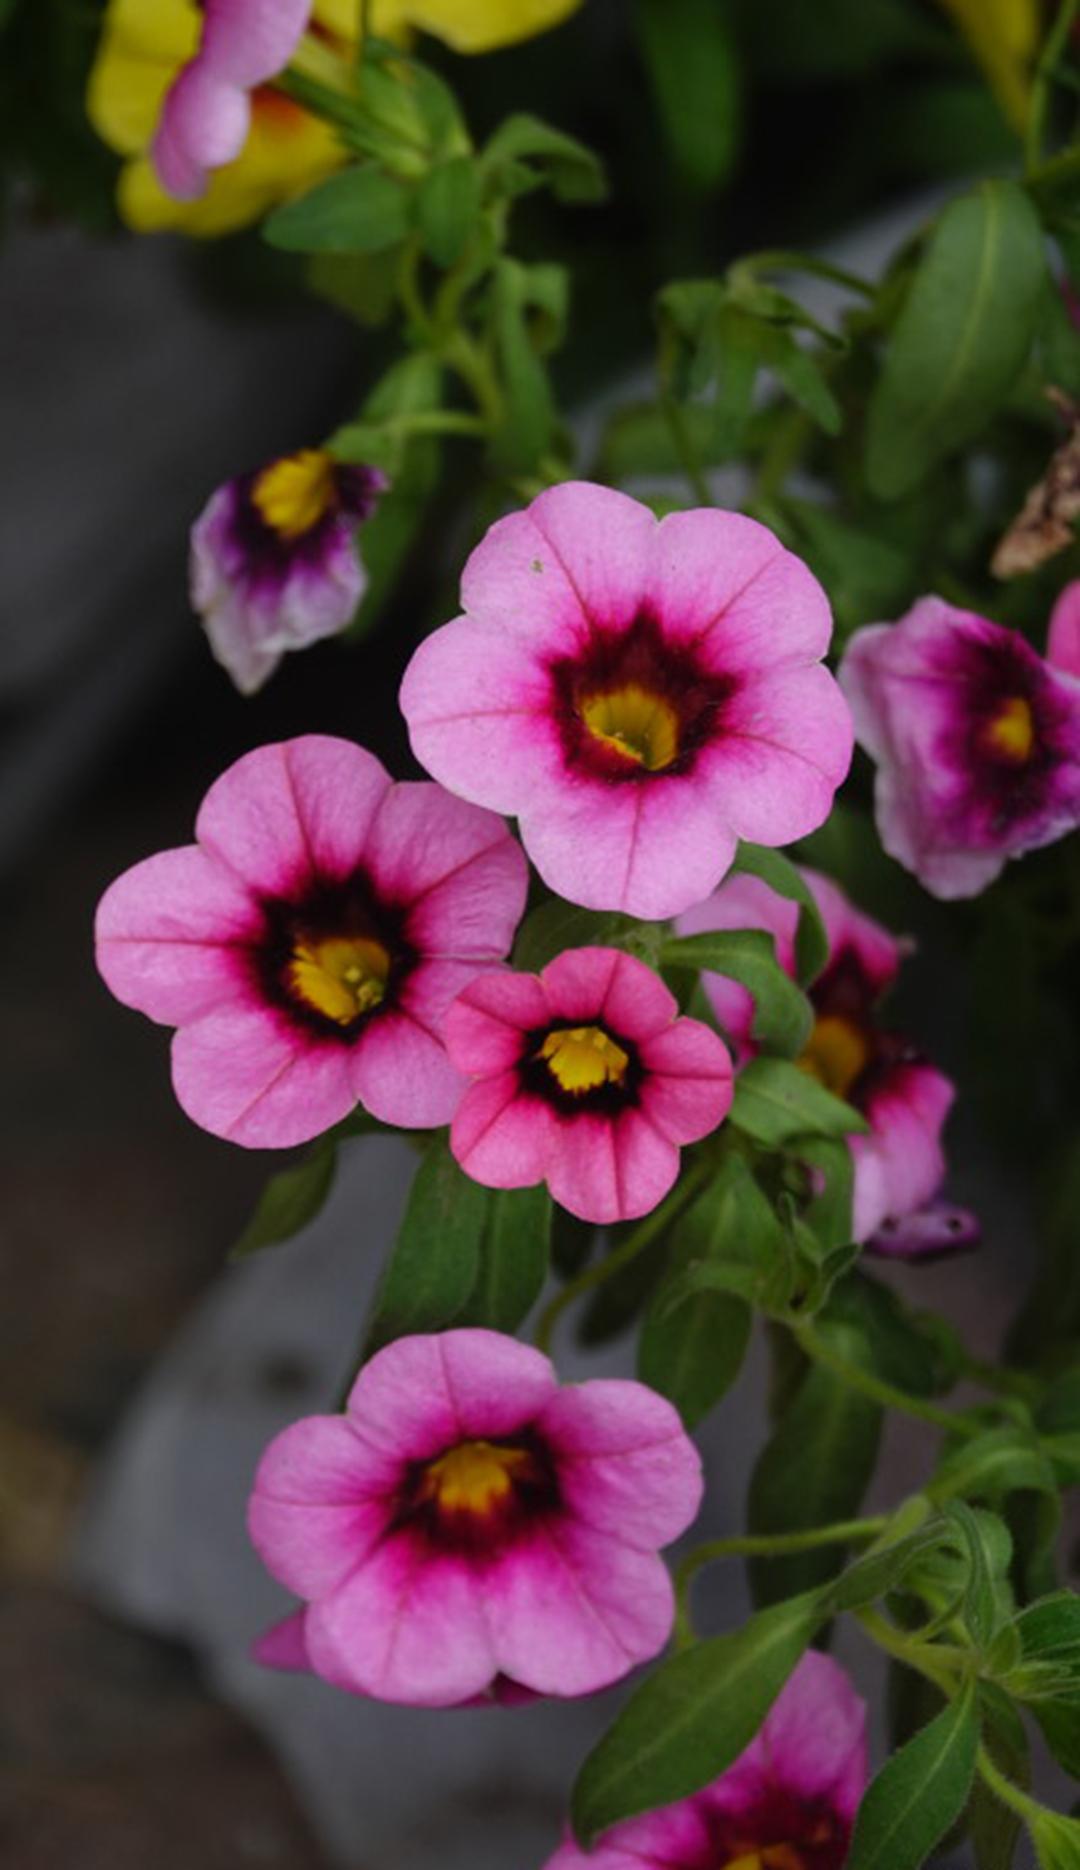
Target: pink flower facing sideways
{"type": "Point", "coordinates": [206, 115]}
{"type": "Point", "coordinates": [976, 740]}
{"type": "Point", "coordinates": [275, 560]}
{"type": "Point", "coordinates": [899, 1164]}
{"type": "Point", "coordinates": [308, 944]}
{"type": "Point", "coordinates": [584, 1078]}
{"type": "Point", "coordinates": [788, 1802]}
{"type": "Point", "coordinates": [640, 694]}
{"type": "Point", "coordinates": [467, 1527]}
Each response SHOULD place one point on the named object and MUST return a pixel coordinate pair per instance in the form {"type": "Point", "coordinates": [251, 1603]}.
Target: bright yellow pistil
{"type": "Point", "coordinates": [582, 1058]}
{"type": "Point", "coordinates": [474, 1476]}
{"type": "Point", "coordinates": [294, 493]}
{"type": "Point", "coordinates": [642, 726]}
{"type": "Point", "coordinates": [1012, 730]}
{"type": "Point", "coordinates": [836, 1053]}
{"type": "Point", "coordinates": [340, 977]}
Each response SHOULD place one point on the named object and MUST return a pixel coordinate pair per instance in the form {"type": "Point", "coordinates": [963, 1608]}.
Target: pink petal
{"type": "Point", "coordinates": [423, 837]}
{"type": "Point", "coordinates": [500, 1136]}
{"type": "Point", "coordinates": [249, 41]}
{"type": "Point", "coordinates": [290, 812]}
{"type": "Point", "coordinates": [689, 1085]}
{"type": "Point", "coordinates": [603, 541]}
{"type": "Point", "coordinates": [494, 743]}
{"type": "Point", "coordinates": [625, 1463]}
{"type": "Point", "coordinates": [783, 747]}
{"type": "Point", "coordinates": [812, 1744]}
{"type": "Point", "coordinates": [1063, 639]}
{"type": "Point", "coordinates": [901, 1164]}
{"type": "Point", "coordinates": [647, 1164]}
{"type": "Point", "coordinates": [485, 1027]}
{"type": "Point", "coordinates": [514, 582]}
{"type": "Point", "coordinates": [173, 936]}
{"type": "Point", "coordinates": [476, 909]}
{"type": "Point", "coordinates": [721, 577]}
{"type": "Point", "coordinates": [204, 124]}
{"type": "Point", "coordinates": [607, 1169]}
{"type": "Point", "coordinates": [650, 848]}
{"type": "Point", "coordinates": [571, 1610]}
{"type": "Point", "coordinates": [608, 985]}
{"type": "Point", "coordinates": [878, 952]}
{"type": "Point", "coordinates": [323, 1499]}
{"type": "Point", "coordinates": [745, 902]}
{"type": "Point", "coordinates": [400, 1071]}
{"type": "Point", "coordinates": [245, 1076]}
{"type": "Point", "coordinates": [420, 1395]}
{"type": "Point", "coordinates": [283, 1645]}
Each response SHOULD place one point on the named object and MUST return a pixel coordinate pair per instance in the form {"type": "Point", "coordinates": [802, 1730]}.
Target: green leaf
{"type": "Point", "coordinates": [962, 337]}
{"type": "Point", "coordinates": [362, 210]}
{"type": "Point", "coordinates": [362, 285]}
{"type": "Point", "coordinates": [828, 1206]}
{"type": "Point", "coordinates": [693, 1352]}
{"type": "Point", "coordinates": [987, 1599]}
{"type": "Point", "coordinates": [529, 422]}
{"type": "Point", "coordinates": [570, 169]}
{"type": "Point", "coordinates": [1056, 1840]}
{"type": "Point", "coordinates": [783, 1017]}
{"type": "Point", "coordinates": [991, 1466]}
{"type": "Point", "coordinates": [993, 1828]}
{"type": "Point", "coordinates": [691, 1719]}
{"type": "Point", "coordinates": [920, 1793]}
{"type": "Point", "coordinates": [882, 1332]}
{"type": "Point", "coordinates": [514, 1256]}
{"type": "Point", "coordinates": [1049, 1632]}
{"type": "Point", "coordinates": [291, 1199]}
{"type": "Point", "coordinates": [882, 1570]}
{"type": "Point", "coordinates": [775, 1103]}
{"type": "Point", "coordinates": [555, 926]}
{"type": "Point", "coordinates": [433, 1267]}
{"type": "Point", "coordinates": [782, 876]}
{"type": "Point", "coordinates": [692, 59]}
{"type": "Point", "coordinates": [411, 386]}
{"type": "Point", "coordinates": [731, 1241]}
{"type": "Point", "coordinates": [1060, 1725]}
{"type": "Point", "coordinates": [448, 207]}
{"type": "Point", "coordinates": [800, 375]}
{"type": "Point", "coordinates": [865, 576]}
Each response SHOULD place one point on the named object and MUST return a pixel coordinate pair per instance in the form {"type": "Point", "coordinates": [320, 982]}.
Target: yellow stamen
{"type": "Point", "coordinates": [768, 1857]}
{"type": "Point", "coordinates": [638, 724]}
{"type": "Point", "coordinates": [293, 494]}
{"type": "Point", "coordinates": [474, 1476]}
{"type": "Point", "coordinates": [583, 1058]}
{"type": "Point", "coordinates": [340, 977]}
{"type": "Point", "coordinates": [836, 1053]}
{"type": "Point", "coordinates": [1012, 730]}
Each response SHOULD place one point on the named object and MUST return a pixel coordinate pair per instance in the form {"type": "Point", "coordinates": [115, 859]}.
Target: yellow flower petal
{"type": "Point", "coordinates": [483, 25]}
{"type": "Point", "coordinates": [143, 45]}
{"type": "Point", "coordinates": [275, 164]}
{"type": "Point", "coordinates": [1004, 36]}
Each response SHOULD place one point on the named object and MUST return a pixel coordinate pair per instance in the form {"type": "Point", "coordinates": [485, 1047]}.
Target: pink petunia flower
{"type": "Point", "coordinates": [787, 1803]}
{"type": "Point", "coordinates": [899, 1164]}
{"type": "Point", "coordinates": [469, 1528]}
{"type": "Point", "coordinates": [976, 739]}
{"type": "Point", "coordinates": [584, 1078]}
{"type": "Point", "coordinates": [206, 115]}
{"type": "Point", "coordinates": [640, 694]}
{"type": "Point", "coordinates": [1063, 637]}
{"type": "Point", "coordinates": [275, 562]}
{"type": "Point", "coordinates": [308, 944]}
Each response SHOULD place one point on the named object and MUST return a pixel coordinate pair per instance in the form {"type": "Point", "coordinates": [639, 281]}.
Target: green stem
{"type": "Point", "coordinates": [877, 1389]}
{"type": "Point", "coordinates": [1053, 47]}
{"type": "Point", "coordinates": [778, 260]}
{"type": "Point", "coordinates": [687, 453]}
{"type": "Point", "coordinates": [1004, 1789]}
{"type": "Point", "coordinates": [636, 1242]}
{"type": "Point", "coordinates": [465, 357]}
{"type": "Point", "coordinates": [938, 1664]}
{"type": "Point", "coordinates": [764, 1545]}
{"type": "Point", "coordinates": [408, 287]}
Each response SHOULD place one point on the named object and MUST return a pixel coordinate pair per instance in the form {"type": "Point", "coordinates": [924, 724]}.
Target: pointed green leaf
{"type": "Point", "coordinates": [775, 1103]}
{"type": "Point", "coordinates": [920, 1793]}
{"type": "Point", "coordinates": [291, 1199]}
{"type": "Point", "coordinates": [362, 210]}
{"type": "Point", "coordinates": [781, 875]}
{"type": "Point", "coordinates": [782, 1014]}
{"type": "Point", "coordinates": [434, 1263]}
{"type": "Point", "coordinates": [514, 1254]}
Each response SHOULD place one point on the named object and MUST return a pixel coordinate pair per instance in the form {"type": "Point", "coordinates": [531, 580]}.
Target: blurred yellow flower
{"type": "Point", "coordinates": [1004, 36]}
{"type": "Point", "coordinates": [146, 43]}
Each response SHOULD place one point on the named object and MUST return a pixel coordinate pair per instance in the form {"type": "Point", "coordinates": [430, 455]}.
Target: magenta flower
{"type": "Point", "coordinates": [206, 115]}
{"type": "Point", "coordinates": [1063, 638]}
{"type": "Point", "coordinates": [899, 1164]}
{"type": "Point", "coordinates": [275, 563]}
{"type": "Point", "coordinates": [976, 739]}
{"type": "Point", "coordinates": [640, 694]}
{"type": "Point", "coordinates": [467, 1527]}
{"type": "Point", "coordinates": [788, 1802]}
{"type": "Point", "coordinates": [584, 1078]}
{"type": "Point", "coordinates": [308, 944]}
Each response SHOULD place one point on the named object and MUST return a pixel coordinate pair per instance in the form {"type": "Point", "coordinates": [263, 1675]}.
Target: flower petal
{"type": "Point", "coordinates": [783, 747]}
{"type": "Point", "coordinates": [244, 1075]}
{"type": "Point", "coordinates": [650, 849]}
{"type": "Point", "coordinates": [726, 581]}
{"type": "Point", "coordinates": [609, 985]}
{"type": "Point", "coordinates": [496, 745]}
{"type": "Point", "coordinates": [812, 1745]}
{"type": "Point", "coordinates": [292, 812]}
{"type": "Point", "coordinates": [419, 1395]}
{"type": "Point", "coordinates": [323, 1499]}
{"type": "Point", "coordinates": [485, 1026]}
{"type": "Point", "coordinates": [401, 1072]}
{"type": "Point", "coordinates": [625, 1463]}
{"type": "Point", "coordinates": [689, 1085]}
{"type": "Point", "coordinates": [900, 1165]}
{"type": "Point", "coordinates": [500, 1136]}
{"type": "Point", "coordinates": [173, 936]}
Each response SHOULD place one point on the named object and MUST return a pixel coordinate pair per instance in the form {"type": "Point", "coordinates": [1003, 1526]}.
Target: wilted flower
{"type": "Point", "coordinates": [976, 739]}
{"type": "Point", "coordinates": [899, 1164]}
{"type": "Point", "coordinates": [275, 560]}
{"type": "Point", "coordinates": [584, 1078]}
{"type": "Point", "coordinates": [467, 1527]}
{"type": "Point", "coordinates": [640, 694]}
{"type": "Point", "coordinates": [308, 945]}
{"type": "Point", "coordinates": [787, 1803]}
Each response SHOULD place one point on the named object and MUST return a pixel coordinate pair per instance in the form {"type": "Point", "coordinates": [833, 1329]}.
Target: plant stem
{"type": "Point", "coordinates": [765, 1545]}
{"type": "Point", "coordinates": [1053, 47]}
{"type": "Point", "coordinates": [636, 1242]}
{"type": "Point", "coordinates": [877, 1389]}
{"type": "Point", "coordinates": [778, 260]}
{"type": "Point", "coordinates": [930, 1659]}
{"type": "Point", "coordinates": [464, 356]}
{"type": "Point", "coordinates": [1011, 1795]}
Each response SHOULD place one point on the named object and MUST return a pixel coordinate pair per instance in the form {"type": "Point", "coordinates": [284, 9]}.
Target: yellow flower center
{"type": "Point", "coordinates": [341, 977]}
{"type": "Point", "coordinates": [636, 723]}
{"type": "Point", "coordinates": [582, 1058]}
{"type": "Point", "coordinates": [1011, 732]}
{"type": "Point", "coordinates": [474, 1476]}
{"type": "Point", "coordinates": [768, 1857]}
{"type": "Point", "coordinates": [836, 1055]}
{"type": "Point", "coordinates": [294, 494]}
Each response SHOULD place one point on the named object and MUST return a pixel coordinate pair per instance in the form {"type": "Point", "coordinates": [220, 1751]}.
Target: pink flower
{"type": "Point", "coordinates": [275, 563]}
{"type": "Point", "coordinates": [976, 739]}
{"type": "Point", "coordinates": [1063, 638]}
{"type": "Point", "coordinates": [584, 1078]}
{"type": "Point", "coordinates": [308, 945]}
{"type": "Point", "coordinates": [899, 1165]}
{"type": "Point", "coordinates": [640, 694]}
{"type": "Point", "coordinates": [788, 1802]}
{"type": "Point", "coordinates": [467, 1524]}
{"type": "Point", "coordinates": [206, 116]}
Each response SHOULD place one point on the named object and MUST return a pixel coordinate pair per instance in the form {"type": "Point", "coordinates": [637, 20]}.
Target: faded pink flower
{"type": "Point", "coordinates": [640, 694]}
{"type": "Point", "coordinates": [787, 1803]}
{"type": "Point", "coordinates": [308, 944]}
{"type": "Point", "coordinates": [206, 116]}
{"type": "Point", "coordinates": [584, 1078]}
{"type": "Point", "coordinates": [275, 560]}
{"type": "Point", "coordinates": [467, 1528]}
{"type": "Point", "coordinates": [1063, 638]}
{"type": "Point", "coordinates": [899, 1164]}
{"type": "Point", "coordinates": [976, 740]}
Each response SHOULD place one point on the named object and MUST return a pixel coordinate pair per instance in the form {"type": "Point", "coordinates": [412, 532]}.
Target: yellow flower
{"type": "Point", "coordinates": [146, 43]}
{"type": "Point", "coordinates": [1004, 36]}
